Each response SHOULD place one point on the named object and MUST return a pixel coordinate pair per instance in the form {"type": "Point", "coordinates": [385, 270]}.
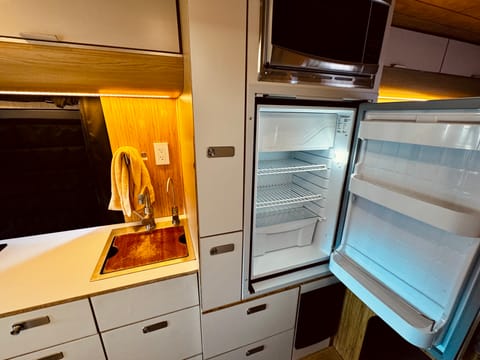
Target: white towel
{"type": "Point", "coordinates": [128, 181]}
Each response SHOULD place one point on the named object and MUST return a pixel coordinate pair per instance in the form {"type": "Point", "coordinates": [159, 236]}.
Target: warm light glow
{"type": "Point", "coordinates": [389, 94]}
{"type": "Point", "coordinates": [41, 93]}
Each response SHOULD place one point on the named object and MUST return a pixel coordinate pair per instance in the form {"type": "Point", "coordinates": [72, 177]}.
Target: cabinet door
{"type": "Point", "coordinates": [217, 37]}
{"type": "Point", "coordinates": [151, 25]}
{"type": "Point", "coordinates": [462, 59]}
{"type": "Point", "coordinates": [173, 336]}
{"type": "Point", "coordinates": [86, 348]}
{"type": "Point", "coordinates": [246, 323]}
{"type": "Point", "coordinates": [220, 270]}
{"type": "Point", "coordinates": [414, 50]}
{"type": "Point", "coordinates": [33, 330]}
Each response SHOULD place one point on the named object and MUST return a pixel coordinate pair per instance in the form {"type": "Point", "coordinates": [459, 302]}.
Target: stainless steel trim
{"type": "Point", "coordinates": [222, 249]}
{"type": "Point", "coordinates": [283, 58]}
{"type": "Point", "coordinates": [220, 151]}
{"type": "Point", "coordinates": [256, 309]}
{"type": "Point", "coordinates": [154, 327]}
{"type": "Point", "coordinates": [28, 324]}
{"type": "Point", "coordinates": [255, 350]}
{"type": "Point", "coordinates": [56, 356]}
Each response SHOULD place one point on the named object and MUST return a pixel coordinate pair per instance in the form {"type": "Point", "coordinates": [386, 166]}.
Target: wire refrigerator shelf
{"type": "Point", "coordinates": [287, 167]}
{"type": "Point", "coordinates": [277, 195]}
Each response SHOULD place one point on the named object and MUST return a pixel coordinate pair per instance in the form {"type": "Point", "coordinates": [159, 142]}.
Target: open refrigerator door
{"type": "Point", "coordinates": [409, 244]}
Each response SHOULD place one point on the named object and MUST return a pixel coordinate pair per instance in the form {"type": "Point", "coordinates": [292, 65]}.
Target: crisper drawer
{"type": "Point", "coordinates": [173, 336]}
{"type": "Point", "coordinates": [86, 348]}
{"type": "Point", "coordinates": [278, 347]}
{"type": "Point", "coordinates": [38, 329]}
{"type": "Point", "coordinates": [142, 302]}
{"type": "Point", "coordinates": [246, 323]}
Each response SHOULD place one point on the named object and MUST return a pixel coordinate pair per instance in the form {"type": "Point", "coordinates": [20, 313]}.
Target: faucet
{"type": "Point", "coordinates": [148, 219]}
{"type": "Point", "coordinates": [175, 218]}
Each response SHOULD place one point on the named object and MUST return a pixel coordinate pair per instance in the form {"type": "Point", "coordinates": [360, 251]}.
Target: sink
{"type": "Point", "coordinates": [132, 249]}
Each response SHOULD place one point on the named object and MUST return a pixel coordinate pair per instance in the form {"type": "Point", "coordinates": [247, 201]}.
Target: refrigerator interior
{"type": "Point", "coordinates": [300, 163]}
{"type": "Point", "coordinates": [410, 242]}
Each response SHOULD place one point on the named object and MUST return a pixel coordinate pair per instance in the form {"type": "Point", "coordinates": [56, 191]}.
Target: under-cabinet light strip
{"type": "Point", "coordinates": [41, 93]}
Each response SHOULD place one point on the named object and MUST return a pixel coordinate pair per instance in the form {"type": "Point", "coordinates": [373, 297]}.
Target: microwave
{"type": "Point", "coordinates": [335, 43]}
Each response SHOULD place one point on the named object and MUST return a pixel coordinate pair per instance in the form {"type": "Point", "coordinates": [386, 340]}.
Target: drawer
{"type": "Point", "coordinates": [143, 302]}
{"type": "Point", "coordinates": [220, 270]}
{"type": "Point", "coordinates": [86, 348]}
{"type": "Point", "coordinates": [173, 336]}
{"type": "Point", "coordinates": [46, 327]}
{"type": "Point", "coordinates": [246, 323]}
{"type": "Point", "coordinates": [278, 347]}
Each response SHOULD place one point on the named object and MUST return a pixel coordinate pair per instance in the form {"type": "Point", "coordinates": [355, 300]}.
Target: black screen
{"type": "Point", "coordinates": [337, 29]}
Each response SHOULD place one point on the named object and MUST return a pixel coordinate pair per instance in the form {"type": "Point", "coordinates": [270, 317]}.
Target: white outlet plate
{"type": "Point", "coordinates": [161, 153]}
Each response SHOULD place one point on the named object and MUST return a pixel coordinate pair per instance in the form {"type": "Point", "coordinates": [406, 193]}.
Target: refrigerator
{"type": "Point", "coordinates": [386, 197]}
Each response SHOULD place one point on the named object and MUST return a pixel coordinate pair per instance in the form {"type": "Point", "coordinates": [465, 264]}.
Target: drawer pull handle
{"type": "Point", "coordinates": [24, 325]}
{"type": "Point", "coordinates": [222, 249]}
{"type": "Point", "coordinates": [255, 350]}
{"type": "Point", "coordinates": [220, 151]}
{"type": "Point", "coordinates": [154, 327]}
{"type": "Point", "coordinates": [56, 356]}
{"type": "Point", "coordinates": [256, 309]}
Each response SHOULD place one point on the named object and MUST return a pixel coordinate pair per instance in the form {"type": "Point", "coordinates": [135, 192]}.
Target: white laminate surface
{"type": "Point", "coordinates": [41, 270]}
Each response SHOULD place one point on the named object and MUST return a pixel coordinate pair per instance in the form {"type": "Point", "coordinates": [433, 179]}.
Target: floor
{"type": "Point", "coordinates": [326, 354]}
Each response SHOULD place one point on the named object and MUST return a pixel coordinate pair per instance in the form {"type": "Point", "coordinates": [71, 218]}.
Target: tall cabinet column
{"type": "Point", "coordinates": [217, 37]}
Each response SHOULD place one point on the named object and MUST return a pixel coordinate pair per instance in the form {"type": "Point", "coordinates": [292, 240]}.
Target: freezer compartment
{"type": "Point", "coordinates": [295, 131]}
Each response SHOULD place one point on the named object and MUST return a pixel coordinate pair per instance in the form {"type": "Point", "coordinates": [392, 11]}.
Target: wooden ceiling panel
{"type": "Point", "coordinates": [454, 19]}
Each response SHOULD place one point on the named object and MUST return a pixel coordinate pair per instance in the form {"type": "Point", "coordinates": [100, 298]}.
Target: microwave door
{"type": "Point", "coordinates": [409, 243]}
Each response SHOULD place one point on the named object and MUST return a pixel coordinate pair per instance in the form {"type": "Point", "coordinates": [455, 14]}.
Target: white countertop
{"type": "Point", "coordinates": [42, 270]}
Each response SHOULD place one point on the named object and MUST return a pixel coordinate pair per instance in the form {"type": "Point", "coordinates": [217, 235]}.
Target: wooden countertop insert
{"type": "Point", "coordinates": [146, 248]}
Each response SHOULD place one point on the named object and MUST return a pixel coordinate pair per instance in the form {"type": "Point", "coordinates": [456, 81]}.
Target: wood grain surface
{"type": "Point", "coordinates": [67, 69]}
{"type": "Point", "coordinates": [140, 122]}
{"type": "Point", "coordinates": [138, 249]}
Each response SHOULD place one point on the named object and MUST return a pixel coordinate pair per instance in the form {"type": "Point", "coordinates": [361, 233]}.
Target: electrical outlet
{"type": "Point", "coordinates": [161, 153]}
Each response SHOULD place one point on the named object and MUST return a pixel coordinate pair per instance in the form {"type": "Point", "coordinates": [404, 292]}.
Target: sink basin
{"type": "Point", "coordinates": [133, 249]}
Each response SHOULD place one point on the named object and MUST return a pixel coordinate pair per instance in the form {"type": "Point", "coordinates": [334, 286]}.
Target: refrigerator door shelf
{"type": "Point", "coordinates": [437, 213]}
{"type": "Point", "coordinates": [456, 135]}
{"type": "Point", "coordinates": [405, 319]}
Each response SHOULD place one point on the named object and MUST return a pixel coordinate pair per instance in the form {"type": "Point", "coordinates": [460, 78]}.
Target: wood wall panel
{"type": "Point", "coordinates": [454, 19]}
{"type": "Point", "coordinates": [139, 122]}
{"type": "Point", "coordinates": [53, 68]}
{"type": "Point", "coordinates": [349, 338]}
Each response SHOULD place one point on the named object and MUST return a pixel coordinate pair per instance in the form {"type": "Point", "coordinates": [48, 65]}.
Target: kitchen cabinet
{"type": "Point", "coordinates": [462, 59]}
{"type": "Point", "coordinates": [414, 50]}
{"type": "Point", "coordinates": [217, 37]}
{"type": "Point", "coordinates": [220, 269]}
{"type": "Point", "coordinates": [278, 347]}
{"type": "Point", "coordinates": [86, 348]}
{"type": "Point", "coordinates": [124, 24]}
{"type": "Point", "coordinates": [160, 319]}
{"type": "Point", "coordinates": [38, 329]}
{"type": "Point", "coordinates": [172, 336]}
{"type": "Point", "coordinates": [253, 321]}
